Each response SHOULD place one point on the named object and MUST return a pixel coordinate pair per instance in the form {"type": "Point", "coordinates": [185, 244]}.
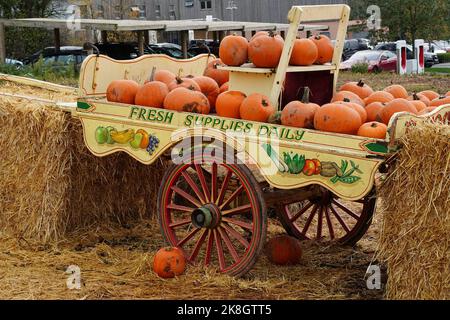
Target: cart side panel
{"type": "Point", "coordinates": [97, 72]}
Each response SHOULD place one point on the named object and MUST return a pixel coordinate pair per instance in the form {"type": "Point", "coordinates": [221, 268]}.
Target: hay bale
{"type": "Point", "coordinates": [415, 237]}
{"type": "Point", "coordinates": [51, 184]}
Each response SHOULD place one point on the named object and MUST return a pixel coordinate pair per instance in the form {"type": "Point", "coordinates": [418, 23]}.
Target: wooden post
{"type": "Point", "coordinates": [184, 43]}
{"type": "Point", "coordinates": [215, 36]}
{"type": "Point", "coordinates": [221, 35]}
{"type": "Point", "coordinates": [104, 34]}
{"type": "Point", "coordinates": [140, 35]}
{"type": "Point", "coordinates": [146, 37]}
{"type": "Point", "coordinates": [2, 44]}
{"type": "Point", "coordinates": [283, 34]}
{"type": "Point", "coordinates": [57, 34]}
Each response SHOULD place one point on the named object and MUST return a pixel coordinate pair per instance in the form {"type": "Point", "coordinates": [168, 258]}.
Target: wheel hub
{"type": "Point", "coordinates": [207, 216]}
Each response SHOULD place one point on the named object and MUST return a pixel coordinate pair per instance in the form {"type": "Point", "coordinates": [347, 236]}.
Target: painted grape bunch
{"type": "Point", "coordinates": [153, 144]}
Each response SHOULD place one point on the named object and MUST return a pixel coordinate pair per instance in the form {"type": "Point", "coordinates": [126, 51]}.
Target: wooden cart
{"type": "Point", "coordinates": [226, 173]}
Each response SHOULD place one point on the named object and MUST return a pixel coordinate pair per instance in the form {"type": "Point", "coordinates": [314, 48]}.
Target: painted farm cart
{"type": "Point", "coordinates": [227, 173]}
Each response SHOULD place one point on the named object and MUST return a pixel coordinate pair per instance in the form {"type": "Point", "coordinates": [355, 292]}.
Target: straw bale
{"type": "Point", "coordinates": [51, 184]}
{"type": "Point", "coordinates": [415, 235]}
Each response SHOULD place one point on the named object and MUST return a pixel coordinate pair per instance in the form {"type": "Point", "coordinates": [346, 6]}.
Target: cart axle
{"type": "Point", "coordinates": [207, 216]}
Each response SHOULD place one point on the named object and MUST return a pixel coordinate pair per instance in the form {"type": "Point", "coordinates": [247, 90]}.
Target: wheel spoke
{"type": "Point", "coordinates": [194, 186]}
{"type": "Point", "coordinates": [239, 223]}
{"type": "Point", "coordinates": [201, 176]}
{"type": "Point", "coordinates": [237, 210]}
{"type": "Point", "coordinates": [301, 212]}
{"type": "Point", "coordinates": [180, 223]}
{"type": "Point", "coordinates": [224, 187]}
{"type": "Point", "coordinates": [236, 235]}
{"type": "Point", "coordinates": [209, 246]}
{"type": "Point", "coordinates": [329, 223]}
{"type": "Point", "coordinates": [232, 197]}
{"type": "Point", "coordinates": [339, 219]}
{"type": "Point", "coordinates": [219, 248]}
{"type": "Point", "coordinates": [198, 245]}
{"type": "Point", "coordinates": [319, 224]}
{"type": "Point", "coordinates": [180, 208]}
{"type": "Point", "coordinates": [214, 183]}
{"type": "Point", "coordinates": [228, 243]}
{"type": "Point", "coordinates": [347, 210]}
{"type": "Point", "coordinates": [187, 196]}
{"type": "Point", "coordinates": [310, 218]}
{"type": "Point", "coordinates": [188, 237]}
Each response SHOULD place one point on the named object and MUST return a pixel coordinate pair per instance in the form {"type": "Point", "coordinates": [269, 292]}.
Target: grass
{"type": "Point", "coordinates": [438, 70]}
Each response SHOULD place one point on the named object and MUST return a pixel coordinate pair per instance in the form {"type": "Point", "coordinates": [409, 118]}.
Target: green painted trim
{"type": "Point", "coordinates": [377, 147]}
{"type": "Point", "coordinates": [83, 105]}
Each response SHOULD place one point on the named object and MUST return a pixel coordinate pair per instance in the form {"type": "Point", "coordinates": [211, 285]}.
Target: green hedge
{"type": "Point", "coordinates": [444, 57]}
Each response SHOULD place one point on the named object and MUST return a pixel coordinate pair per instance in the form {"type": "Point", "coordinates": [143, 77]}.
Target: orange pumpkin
{"type": "Point", "coordinates": [397, 91]}
{"type": "Point", "coordinates": [263, 33]}
{"type": "Point", "coordinates": [325, 49]}
{"type": "Point", "coordinates": [426, 110]}
{"type": "Point", "coordinates": [347, 95]}
{"type": "Point", "coordinates": [164, 76]}
{"type": "Point", "coordinates": [304, 53]}
{"type": "Point", "coordinates": [419, 97]}
{"type": "Point", "coordinates": [373, 110]}
{"type": "Point", "coordinates": [256, 107]}
{"type": "Point", "coordinates": [440, 101]}
{"type": "Point", "coordinates": [418, 104]}
{"type": "Point", "coordinates": [152, 94]}
{"type": "Point", "coordinates": [430, 94]}
{"type": "Point", "coordinates": [284, 250]}
{"type": "Point", "coordinates": [300, 114]}
{"type": "Point", "coordinates": [233, 50]}
{"type": "Point", "coordinates": [187, 83]}
{"type": "Point", "coordinates": [212, 71]}
{"type": "Point", "coordinates": [396, 105]}
{"type": "Point", "coordinates": [169, 262]}
{"type": "Point", "coordinates": [122, 91]}
{"type": "Point", "coordinates": [373, 129]}
{"type": "Point", "coordinates": [359, 88]}
{"type": "Point", "coordinates": [337, 118]}
{"type": "Point", "coordinates": [225, 87]}
{"type": "Point", "coordinates": [265, 51]}
{"type": "Point", "coordinates": [209, 88]}
{"type": "Point", "coordinates": [228, 104]}
{"type": "Point", "coordinates": [379, 96]}
{"type": "Point", "coordinates": [357, 107]}
{"type": "Point", "coordinates": [185, 100]}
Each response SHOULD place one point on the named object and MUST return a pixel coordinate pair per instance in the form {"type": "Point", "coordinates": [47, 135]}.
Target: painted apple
{"type": "Point", "coordinates": [310, 168]}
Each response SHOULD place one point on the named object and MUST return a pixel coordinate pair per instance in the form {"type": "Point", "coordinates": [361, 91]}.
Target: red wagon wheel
{"type": "Point", "coordinates": [218, 219]}
{"type": "Point", "coordinates": [326, 218]}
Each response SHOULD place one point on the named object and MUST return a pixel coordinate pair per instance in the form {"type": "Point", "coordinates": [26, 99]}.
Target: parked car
{"type": "Point", "coordinates": [377, 60]}
{"type": "Point", "coordinates": [18, 64]}
{"type": "Point", "coordinates": [430, 57]}
{"type": "Point", "coordinates": [197, 47]}
{"type": "Point", "coordinates": [122, 50]}
{"type": "Point", "coordinates": [66, 56]}
{"type": "Point", "coordinates": [170, 49]}
{"type": "Point", "coordinates": [352, 46]}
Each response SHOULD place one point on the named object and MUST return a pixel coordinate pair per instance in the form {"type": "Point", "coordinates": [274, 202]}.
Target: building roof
{"type": "Point", "coordinates": [160, 25]}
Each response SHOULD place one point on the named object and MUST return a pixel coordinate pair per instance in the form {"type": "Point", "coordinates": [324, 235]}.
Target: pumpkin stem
{"type": "Point", "coordinates": [265, 103]}
{"type": "Point", "coordinates": [152, 75]}
{"type": "Point", "coordinates": [347, 100]}
{"type": "Point", "coordinates": [179, 80]}
{"type": "Point", "coordinates": [272, 34]}
{"type": "Point", "coordinates": [361, 83]}
{"type": "Point", "coordinates": [415, 96]}
{"type": "Point", "coordinates": [306, 93]}
{"type": "Point", "coordinates": [374, 125]}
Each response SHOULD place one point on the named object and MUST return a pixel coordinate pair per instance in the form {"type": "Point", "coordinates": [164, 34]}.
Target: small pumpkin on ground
{"type": "Point", "coordinates": [373, 129]}
{"type": "Point", "coordinates": [228, 104]}
{"type": "Point", "coordinates": [357, 107]}
{"type": "Point", "coordinates": [209, 88]}
{"type": "Point", "coordinates": [212, 71]}
{"type": "Point", "coordinates": [256, 107]}
{"type": "Point", "coordinates": [187, 83]}
{"type": "Point", "coordinates": [169, 262]}
{"type": "Point", "coordinates": [122, 91]}
{"type": "Point", "coordinates": [284, 250]}
{"type": "Point", "coordinates": [430, 94]}
{"type": "Point", "coordinates": [337, 118]}
{"type": "Point", "coordinates": [225, 87]}
{"type": "Point", "coordinates": [304, 53]}
{"type": "Point", "coordinates": [397, 91]}
{"type": "Point", "coordinates": [440, 101]}
{"type": "Point", "coordinates": [185, 100]}
{"type": "Point", "coordinates": [347, 95]}
{"type": "Point", "coordinates": [265, 51]}
{"type": "Point", "coordinates": [152, 94]}
{"type": "Point", "coordinates": [325, 49]}
{"type": "Point", "coordinates": [233, 50]}
{"type": "Point", "coordinates": [373, 110]}
{"type": "Point", "coordinates": [396, 105]}
{"type": "Point", "coordinates": [300, 114]}
{"type": "Point", "coordinates": [359, 88]}
{"type": "Point", "coordinates": [379, 96]}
